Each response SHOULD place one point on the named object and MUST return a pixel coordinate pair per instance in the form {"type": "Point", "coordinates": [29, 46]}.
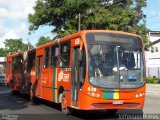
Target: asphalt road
{"type": "Point", "coordinates": [18, 108]}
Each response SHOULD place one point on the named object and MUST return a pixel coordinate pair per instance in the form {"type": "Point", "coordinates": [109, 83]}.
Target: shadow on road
{"type": "Point", "coordinates": [11, 102]}
{"type": "Point", "coordinates": [47, 103]}
{"type": "Point", "coordinates": [19, 102]}
{"type": "Point", "coordinates": [105, 115]}
{"type": "Point", "coordinates": [92, 115]}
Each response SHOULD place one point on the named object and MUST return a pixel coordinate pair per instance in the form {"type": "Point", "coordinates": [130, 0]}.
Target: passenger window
{"type": "Point", "coordinates": [46, 57]}
{"type": "Point", "coordinates": [17, 63]}
{"type": "Point", "coordinates": [31, 60]}
{"type": "Point", "coordinates": [65, 54]}
{"type": "Point", "coordinates": [54, 56]}
{"type": "Point", "coordinates": [39, 66]}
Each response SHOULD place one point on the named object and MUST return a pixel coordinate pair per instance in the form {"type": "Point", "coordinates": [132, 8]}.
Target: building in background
{"type": "Point", "coordinates": [2, 65]}
{"type": "Point", "coordinates": [153, 55]}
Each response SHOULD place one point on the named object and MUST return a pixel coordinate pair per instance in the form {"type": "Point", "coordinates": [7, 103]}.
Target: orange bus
{"type": "Point", "coordinates": [14, 71]}
{"type": "Point", "coordinates": [88, 70]}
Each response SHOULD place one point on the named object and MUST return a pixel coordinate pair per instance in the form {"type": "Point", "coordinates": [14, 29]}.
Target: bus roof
{"type": "Point", "coordinates": [45, 45]}
{"type": "Point", "coordinates": [15, 54]}
{"type": "Point", "coordinates": [86, 31]}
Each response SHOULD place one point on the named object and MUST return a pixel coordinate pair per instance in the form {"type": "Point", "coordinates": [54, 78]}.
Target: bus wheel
{"type": "Point", "coordinates": [64, 107]}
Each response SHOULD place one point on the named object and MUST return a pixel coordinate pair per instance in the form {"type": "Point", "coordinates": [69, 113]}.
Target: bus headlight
{"type": "Point", "coordinates": [138, 95]}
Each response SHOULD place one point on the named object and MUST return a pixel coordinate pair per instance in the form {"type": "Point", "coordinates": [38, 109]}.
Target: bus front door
{"type": "Point", "coordinates": [75, 76]}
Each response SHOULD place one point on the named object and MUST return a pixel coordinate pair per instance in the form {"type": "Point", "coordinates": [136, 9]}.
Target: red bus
{"type": "Point", "coordinates": [88, 70]}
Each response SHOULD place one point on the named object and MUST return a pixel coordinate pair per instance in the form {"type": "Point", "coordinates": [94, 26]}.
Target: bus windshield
{"type": "Point", "coordinates": [115, 64]}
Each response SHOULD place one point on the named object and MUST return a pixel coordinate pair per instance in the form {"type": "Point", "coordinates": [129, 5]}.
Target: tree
{"type": "Point", "coordinates": [124, 15]}
{"type": "Point", "coordinates": [15, 45]}
{"type": "Point", "coordinates": [2, 52]}
{"type": "Point", "coordinates": [43, 40]}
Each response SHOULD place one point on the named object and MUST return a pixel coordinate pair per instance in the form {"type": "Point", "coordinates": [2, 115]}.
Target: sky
{"type": "Point", "coordinates": [152, 12]}
{"type": "Point", "coordinates": [14, 23]}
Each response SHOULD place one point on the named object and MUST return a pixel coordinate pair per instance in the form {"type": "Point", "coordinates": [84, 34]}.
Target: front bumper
{"type": "Point", "coordinates": [90, 103]}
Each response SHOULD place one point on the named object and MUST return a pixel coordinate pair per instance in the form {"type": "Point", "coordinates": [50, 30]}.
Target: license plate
{"type": "Point", "coordinates": [117, 102]}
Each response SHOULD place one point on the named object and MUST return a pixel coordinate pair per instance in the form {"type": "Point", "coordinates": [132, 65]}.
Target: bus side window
{"type": "Point", "coordinates": [17, 63]}
{"type": "Point", "coordinates": [54, 56]}
{"type": "Point", "coordinates": [31, 61]}
{"type": "Point", "coordinates": [46, 57]}
{"type": "Point", "coordinates": [65, 54]}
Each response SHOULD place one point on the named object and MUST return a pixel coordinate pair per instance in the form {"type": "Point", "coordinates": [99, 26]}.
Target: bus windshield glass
{"type": "Point", "coordinates": [113, 62]}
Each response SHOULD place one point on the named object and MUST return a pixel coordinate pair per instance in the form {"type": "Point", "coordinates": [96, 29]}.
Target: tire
{"type": "Point", "coordinates": [64, 106]}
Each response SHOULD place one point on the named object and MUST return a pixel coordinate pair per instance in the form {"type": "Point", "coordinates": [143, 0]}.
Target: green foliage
{"type": "Point", "coordinates": [13, 46]}
{"type": "Point", "coordinates": [43, 40]}
{"type": "Point", "coordinates": [152, 80]}
{"type": "Point", "coordinates": [3, 52]}
{"type": "Point", "coordinates": [149, 80]}
{"type": "Point", "coordinates": [126, 16]}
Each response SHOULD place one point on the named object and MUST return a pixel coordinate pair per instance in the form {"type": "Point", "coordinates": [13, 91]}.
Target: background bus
{"type": "Point", "coordinates": [89, 70]}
